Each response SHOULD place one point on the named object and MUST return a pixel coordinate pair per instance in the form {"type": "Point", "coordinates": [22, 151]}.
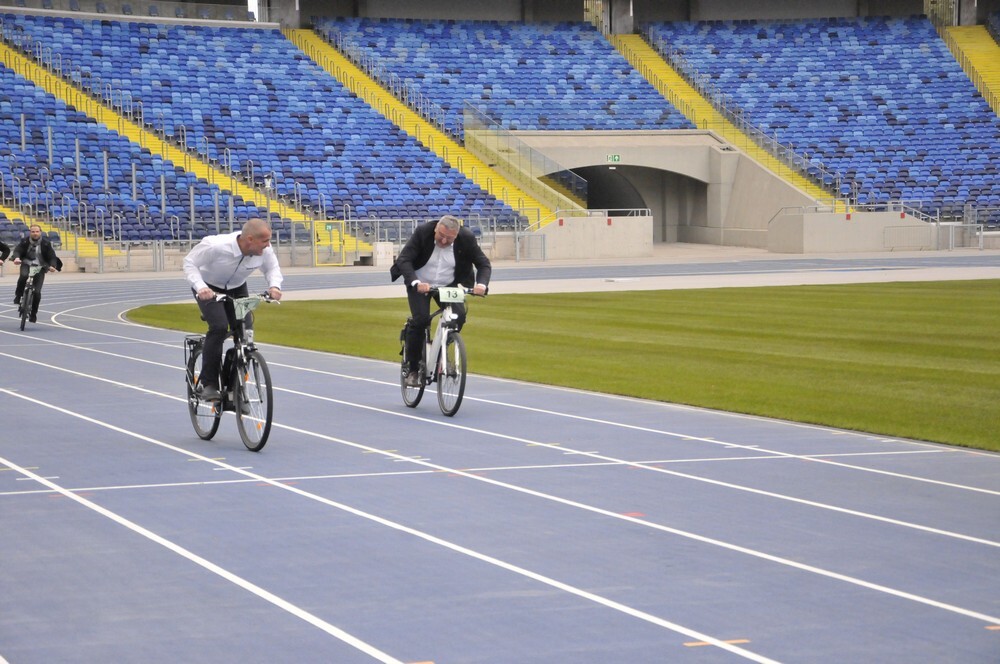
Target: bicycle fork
{"type": "Point", "coordinates": [433, 356]}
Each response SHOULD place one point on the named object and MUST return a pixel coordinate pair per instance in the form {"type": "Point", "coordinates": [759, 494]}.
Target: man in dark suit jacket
{"type": "Point", "coordinates": [4, 251]}
{"type": "Point", "coordinates": [439, 253]}
{"type": "Point", "coordinates": [34, 250]}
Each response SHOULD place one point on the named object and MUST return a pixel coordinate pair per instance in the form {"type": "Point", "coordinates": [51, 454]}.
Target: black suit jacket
{"type": "Point", "coordinates": [48, 254]}
{"type": "Point", "coordinates": [418, 249]}
{"type": "Point", "coordinates": [4, 251]}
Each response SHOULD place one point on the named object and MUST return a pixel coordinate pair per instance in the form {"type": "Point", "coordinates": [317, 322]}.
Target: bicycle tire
{"type": "Point", "coordinates": [252, 394]}
{"type": "Point", "coordinates": [205, 415]}
{"type": "Point", "coordinates": [451, 369]}
{"type": "Point", "coordinates": [411, 395]}
{"type": "Point", "coordinates": [26, 302]}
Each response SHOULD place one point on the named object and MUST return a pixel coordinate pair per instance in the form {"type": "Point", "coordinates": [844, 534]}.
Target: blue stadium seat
{"type": "Point", "coordinates": [515, 72]}
{"type": "Point", "coordinates": [875, 99]}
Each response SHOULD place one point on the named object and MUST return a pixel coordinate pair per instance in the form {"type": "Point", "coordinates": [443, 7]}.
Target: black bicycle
{"type": "Point", "coordinates": [28, 296]}
{"type": "Point", "coordinates": [245, 378]}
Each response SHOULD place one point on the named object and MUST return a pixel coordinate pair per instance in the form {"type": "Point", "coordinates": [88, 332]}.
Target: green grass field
{"type": "Point", "coordinates": [916, 360]}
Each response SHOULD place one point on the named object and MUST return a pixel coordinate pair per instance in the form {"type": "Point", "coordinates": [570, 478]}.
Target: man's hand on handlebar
{"type": "Point", "coordinates": [206, 293]}
{"type": "Point", "coordinates": [275, 293]}
{"type": "Point", "coordinates": [425, 288]}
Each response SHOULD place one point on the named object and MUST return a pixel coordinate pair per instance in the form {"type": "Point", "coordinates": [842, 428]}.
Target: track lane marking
{"type": "Point", "coordinates": [277, 601]}
{"type": "Point", "coordinates": [538, 494]}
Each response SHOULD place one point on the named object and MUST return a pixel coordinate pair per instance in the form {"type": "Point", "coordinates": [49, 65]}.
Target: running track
{"type": "Point", "coordinates": [538, 525]}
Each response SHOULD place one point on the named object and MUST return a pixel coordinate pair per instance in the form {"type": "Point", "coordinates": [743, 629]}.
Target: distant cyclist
{"type": "Point", "coordinates": [222, 264]}
{"type": "Point", "coordinates": [34, 250]}
{"type": "Point", "coordinates": [439, 253]}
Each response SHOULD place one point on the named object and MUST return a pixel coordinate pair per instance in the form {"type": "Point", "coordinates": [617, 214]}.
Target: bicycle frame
{"type": "Point", "coordinates": [446, 317]}
{"type": "Point", "coordinates": [236, 312]}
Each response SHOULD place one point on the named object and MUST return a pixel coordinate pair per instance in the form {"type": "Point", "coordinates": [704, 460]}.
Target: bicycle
{"type": "Point", "coordinates": [445, 354]}
{"type": "Point", "coordinates": [245, 378]}
{"type": "Point", "coordinates": [28, 296]}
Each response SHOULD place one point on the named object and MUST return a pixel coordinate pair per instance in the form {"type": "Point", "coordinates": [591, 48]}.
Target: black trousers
{"type": "Point", "coordinates": [420, 320]}
{"type": "Point", "coordinates": [23, 279]}
{"type": "Point", "coordinates": [213, 312]}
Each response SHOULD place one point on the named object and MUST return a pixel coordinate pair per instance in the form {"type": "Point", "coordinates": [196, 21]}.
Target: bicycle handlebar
{"type": "Point", "coordinates": [467, 291]}
{"type": "Point", "coordinates": [264, 297]}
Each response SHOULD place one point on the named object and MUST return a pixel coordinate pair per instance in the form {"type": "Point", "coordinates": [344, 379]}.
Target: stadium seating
{"type": "Point", "coordinates": [880, 101]}
{"type": "Point", "coordinates": [11, 230]}
{"type": "Point", "coordinates": [525, 76]}
{"type": "Point", "coordinates": [249, 98]}
{"type": "Point", "coordinates": [54, 190]}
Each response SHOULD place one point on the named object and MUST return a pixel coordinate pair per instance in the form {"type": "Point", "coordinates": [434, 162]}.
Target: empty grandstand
{"type": "Point", "coordinates": [874, 108]}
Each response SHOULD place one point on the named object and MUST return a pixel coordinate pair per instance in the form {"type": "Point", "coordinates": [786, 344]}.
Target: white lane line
{"type": "Point", "coordinates": [236, 580]}
{"type": "Point", "coordinates": [725, 444]}
{"type": "Point", "coordinates": [394, 473]}
{"type": "Point", "coordinates": [777, 453]}
{"type": "Point", "coordinates": [308, 617]}
{"type": "Point", "coordinates": [930, 447]}
{"type": "Point", "coordinates": [656, 469]}
{"type": "Point", "coordinates": [621, 425]}
{"type": "Point", "coordinates": [560, 448]}
{"type": "Point", "coordinates": [571, 503]}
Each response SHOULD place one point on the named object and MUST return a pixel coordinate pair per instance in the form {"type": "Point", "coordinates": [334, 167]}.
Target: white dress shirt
{"type": "Point", "coordinates": [217, 260]}
{"type": "Point", "coordinates": [439, 270]}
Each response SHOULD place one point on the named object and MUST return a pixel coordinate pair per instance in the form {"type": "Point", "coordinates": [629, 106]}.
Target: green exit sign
{"type": "Point", "coordinates": [614, 158]}
{"type": "Point", "coordinates": [329, 227]}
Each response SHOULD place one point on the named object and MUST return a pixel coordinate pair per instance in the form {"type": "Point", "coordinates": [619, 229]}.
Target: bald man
{"type": "Point", "coordinates": [222, 264]}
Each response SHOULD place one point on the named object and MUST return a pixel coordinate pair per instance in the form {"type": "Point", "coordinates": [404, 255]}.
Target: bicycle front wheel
{"type": "Point", "coordinates": [26, 302]}
{"type": "Point", "coordinates": [451, 374]}
{"type": "Point", "coordinates": [205, 415]}
{"type": "Point", "coordinates": [254, 407]}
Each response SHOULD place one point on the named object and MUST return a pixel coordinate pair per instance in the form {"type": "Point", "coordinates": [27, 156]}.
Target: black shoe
{"type": "Point", "coordinates": [32, 318]}
{"type": "Point", "coordinates": [208, 393]}
{"type": "Point", "coordinates": [17, 300]}
{"type": "Point", "coordinates": [231, 400]}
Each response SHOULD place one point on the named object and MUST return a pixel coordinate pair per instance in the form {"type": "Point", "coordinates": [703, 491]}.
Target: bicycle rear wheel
{"type": "Point", "coordinates": [411, 395]}
{"type": "Point", "coordinates": [451, 369]}
{"type": "Point", "coordinates": [205, 415]}
{"type": "Point", "coordinates": [254, 408]}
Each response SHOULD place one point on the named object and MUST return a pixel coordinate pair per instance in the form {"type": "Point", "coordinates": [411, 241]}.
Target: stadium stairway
{"type": "Point", "coordinates": [410, 122]}
{"type": "Point", "coordinates": [979, 54]}
{"type": "Point", "coordinates": [86, 104]}
{"type": "Point", "coordinates": [697, 109]}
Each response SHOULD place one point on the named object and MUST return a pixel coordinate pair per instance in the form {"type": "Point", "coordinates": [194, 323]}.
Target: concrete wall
{"type": "Point", "coordinates": [800, 232]}
{"type": "Point", "coordinates": [494, 10]}
{"type": "Point", "coordinates": [599, 236]}
{"type": "Point", "coordinates": [624, 13]}
{"type": "Point", "coordinates": [698, 188]}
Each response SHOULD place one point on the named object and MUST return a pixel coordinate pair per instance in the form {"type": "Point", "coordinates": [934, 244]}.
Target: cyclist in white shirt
{"type": "Point", "coordinates": [222, 264]}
